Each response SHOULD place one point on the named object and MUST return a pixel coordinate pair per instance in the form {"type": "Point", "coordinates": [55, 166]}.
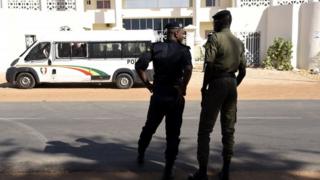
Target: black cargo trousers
{"type": "Point", "coordinates": [171, 106]}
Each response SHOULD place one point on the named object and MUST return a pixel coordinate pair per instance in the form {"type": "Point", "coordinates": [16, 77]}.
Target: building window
{"type": "Point", "coordinates": [155, 24]}
{"type": "Point", "coordinates": [137, 4]}
{"type": "Point", "coordinates": [88, 2]}
{"type": "Point", "coordinates": [210, 3]}
{"type": "Point", "coordinates": [103, 4]}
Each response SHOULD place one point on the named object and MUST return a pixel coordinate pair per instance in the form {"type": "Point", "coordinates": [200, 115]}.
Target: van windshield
{"type": "Point", "coordinates": [27, 49]}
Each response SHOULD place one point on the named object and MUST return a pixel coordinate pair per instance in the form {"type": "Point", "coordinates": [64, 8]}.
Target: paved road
{"type": "Point", "coordinates": [270, 135]}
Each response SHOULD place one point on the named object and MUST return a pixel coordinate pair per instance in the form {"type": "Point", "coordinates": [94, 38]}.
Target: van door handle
{"type": "Point", "coordinates": [54, 71]}
{"type": "Point", "coordinates": [49, 62]}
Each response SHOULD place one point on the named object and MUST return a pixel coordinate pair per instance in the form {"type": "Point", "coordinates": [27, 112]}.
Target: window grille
{"type": "Point", "coordinates": [251, 42]}
{"type": "Point", "coordinates": [61, 5]}
{"type": "Point", "coordinates": [287, 2]}
{"type": "Point", "coordinates": [254, 3]}
{"type": "Point", "coordinates": [24, 4]}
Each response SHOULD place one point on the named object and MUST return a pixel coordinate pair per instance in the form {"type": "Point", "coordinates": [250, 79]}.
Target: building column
{"type": "Point", "coordinates": [4, 4]}
{"type": "Point", "coordinates": [118, 14]}
{"type": "Point", "coordinates": [295, 34]}
{"type": "Point", "coordinates": [196, 21]}
{"type": "Point", "coordinates": [43, 5]}
{"type": "Point", "coordinates": [79, 5]}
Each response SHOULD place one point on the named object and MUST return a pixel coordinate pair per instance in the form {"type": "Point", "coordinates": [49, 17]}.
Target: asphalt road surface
{"type": "Point", "coordinates": [66, 136]}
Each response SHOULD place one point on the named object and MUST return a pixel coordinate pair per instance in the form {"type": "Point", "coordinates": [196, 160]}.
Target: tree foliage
{"type": "Point", "coordinates": [279, 55]}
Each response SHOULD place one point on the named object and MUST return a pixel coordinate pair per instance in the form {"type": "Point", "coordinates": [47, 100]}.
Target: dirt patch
{"type": "Point", "coordinates": [258, 84]}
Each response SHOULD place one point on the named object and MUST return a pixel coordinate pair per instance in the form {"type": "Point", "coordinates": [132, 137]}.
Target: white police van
{"type": "Point", "coordinates": [70, 57]}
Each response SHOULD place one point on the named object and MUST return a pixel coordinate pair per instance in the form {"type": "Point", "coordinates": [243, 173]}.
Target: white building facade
{"type": "Point", "coordinates": [256, 22]}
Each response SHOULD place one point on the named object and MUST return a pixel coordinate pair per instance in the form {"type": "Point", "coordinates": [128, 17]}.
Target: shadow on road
{"type": "Point", "coordinates": [115, 160]}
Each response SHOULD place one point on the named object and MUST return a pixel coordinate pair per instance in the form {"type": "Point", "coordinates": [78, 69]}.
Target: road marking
{"type": "Point", "coordinates": [259, 117]}
{"type": "Point", "coordinates": [28, 129]}
{"type": "Point", "coordinates": [111, 118]}
{"type": "Point", "coordinates": [19, 118]}
{"type": "Point", "coordinates": [270, 117]}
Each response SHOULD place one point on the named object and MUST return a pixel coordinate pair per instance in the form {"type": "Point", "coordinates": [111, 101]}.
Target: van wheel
{"type": "Point", "coordinates": [124, 81]}
{"type": "Point", "coordinates": [25, 81]}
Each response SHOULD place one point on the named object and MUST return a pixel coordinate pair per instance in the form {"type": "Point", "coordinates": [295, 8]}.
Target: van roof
{"type": "Point", "coordinates": [107, 35]}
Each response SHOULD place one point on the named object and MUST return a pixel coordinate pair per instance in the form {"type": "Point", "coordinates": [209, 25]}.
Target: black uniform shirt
{"type": "Point", "coordinates": [169, 60]}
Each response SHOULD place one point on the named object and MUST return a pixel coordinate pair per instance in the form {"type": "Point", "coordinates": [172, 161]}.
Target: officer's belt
{"type": "Point", "coordinates": [223, 75]}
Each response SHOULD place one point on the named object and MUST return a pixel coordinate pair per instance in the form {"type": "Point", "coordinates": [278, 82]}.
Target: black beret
{"type": "Point", "coordinates": [221, 14]}
{"type": "Point", "coordinates": [173, 25]}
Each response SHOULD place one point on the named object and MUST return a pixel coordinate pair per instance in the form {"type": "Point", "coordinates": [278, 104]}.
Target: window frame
{"type": "Point", "coordinates": [40, 51]}
{"type": "Point", "coordinates": [70, 57]}
{"type": "Point", "coordinates": [106, 4]}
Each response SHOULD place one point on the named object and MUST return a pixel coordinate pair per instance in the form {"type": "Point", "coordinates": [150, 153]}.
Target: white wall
{"type": "Point", "coordinates": [16, 24]}
{"type": "Point", "coordinates": [250, 19]}
{"type": "Point", "coordinates": [309, 40]}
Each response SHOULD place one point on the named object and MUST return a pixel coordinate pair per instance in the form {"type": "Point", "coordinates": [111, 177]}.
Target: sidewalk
{"type": "Point", "coordinates": [259, 84]}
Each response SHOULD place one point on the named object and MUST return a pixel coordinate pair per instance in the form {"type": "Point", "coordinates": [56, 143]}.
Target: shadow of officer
{"type": "Point", "coordinates": [224, 57]}
{"type": "Point", "coordinates": [172, 72]}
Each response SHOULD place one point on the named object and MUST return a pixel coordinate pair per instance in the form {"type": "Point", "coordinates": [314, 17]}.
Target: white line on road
{"type": "Point", "coordinates": [110, 118]}
{"type": "Point", "coordinates": [30, 130]}
{"type": "Point", "coordinates": [259, 117]}
{"type": "Point", "coordinates": [19, 118]}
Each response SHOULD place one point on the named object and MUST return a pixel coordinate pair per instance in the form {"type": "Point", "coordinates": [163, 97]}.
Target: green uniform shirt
{"type": "Point", "coordinates": [225, 51]}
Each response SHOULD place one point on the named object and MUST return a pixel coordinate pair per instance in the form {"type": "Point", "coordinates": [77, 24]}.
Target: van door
{"type": "Point", "coordinates": [71, 62]}
{"type": "Point", "coordinates": [38, 59]}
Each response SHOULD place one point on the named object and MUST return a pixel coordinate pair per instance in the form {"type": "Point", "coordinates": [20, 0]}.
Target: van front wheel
{"type": "Point", "coordinates": [25, 81]}
{"type": "Point", "coordinates": [124, 81]}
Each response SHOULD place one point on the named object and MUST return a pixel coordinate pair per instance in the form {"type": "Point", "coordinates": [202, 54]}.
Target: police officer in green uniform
{"type": "Point", "coordinates": [224, 57]}
{"type": "Point", "coordinates": [172, 71]}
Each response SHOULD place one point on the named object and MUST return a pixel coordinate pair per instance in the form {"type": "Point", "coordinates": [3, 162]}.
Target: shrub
{"type": "Point", "coordinates": [279, 55]}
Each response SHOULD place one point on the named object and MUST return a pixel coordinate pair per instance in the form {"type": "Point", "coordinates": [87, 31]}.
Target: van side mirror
{"type": "Point", "coordinates": [49, 62]}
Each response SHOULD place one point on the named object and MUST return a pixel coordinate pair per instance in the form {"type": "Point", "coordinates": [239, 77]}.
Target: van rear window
{"type": "Point", "coordinates": [105, 50]}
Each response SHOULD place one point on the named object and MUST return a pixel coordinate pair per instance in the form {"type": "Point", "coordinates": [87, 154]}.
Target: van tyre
{"type": "Point", "coordinates": [25, 81]}
{"type": "Point", "coordinates": [124, 81]}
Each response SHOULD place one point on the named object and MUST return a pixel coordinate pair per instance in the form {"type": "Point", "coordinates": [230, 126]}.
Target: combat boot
{"type": "Point", "coordinates": [168, 172]}
{"type": "Point", "coordinates": [140, 159]}
{"type": "Point", "coordinates": [224, 173]}
{"type": "Point", "coordinates": [198, 176]}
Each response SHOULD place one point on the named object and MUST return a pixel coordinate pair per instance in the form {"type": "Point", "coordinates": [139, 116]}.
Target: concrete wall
{"type": "Point", "coordinates": [14, 27]}
{"type": "Point", "coordinates": [251, 20]}
{"type": "Point", "coordinates": [309, 40]}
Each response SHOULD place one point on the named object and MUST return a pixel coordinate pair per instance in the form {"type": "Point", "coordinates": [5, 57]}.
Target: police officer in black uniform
{"type": "Point", "coordinates": [224, 57]}
{"type": "Point", "coordinates": [172, 71]}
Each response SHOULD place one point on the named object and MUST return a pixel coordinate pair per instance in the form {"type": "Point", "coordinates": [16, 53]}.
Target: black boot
{"type": "Point", "coordinates": [224, 174]}
{"type": "Point", "coordinates": [198, 175]}
{"type": "Point", "coordinates": [168, 172]}
{"type": "Point", "coordinates": [140, 159]}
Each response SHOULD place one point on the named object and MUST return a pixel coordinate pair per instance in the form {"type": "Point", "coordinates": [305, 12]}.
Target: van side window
{"type": "Point", "coordinates": [79, 49]}
{"type": "Point", "coordinates": [135, 49]}
{"type": "Point", "coordinates": [64, 50]}
{"type": "Point", "coordinates": [105, 50]}
{"type": "Point", "coordinates": [72, 50]}
{"type": "Point", "coordinates": [40, 52]}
